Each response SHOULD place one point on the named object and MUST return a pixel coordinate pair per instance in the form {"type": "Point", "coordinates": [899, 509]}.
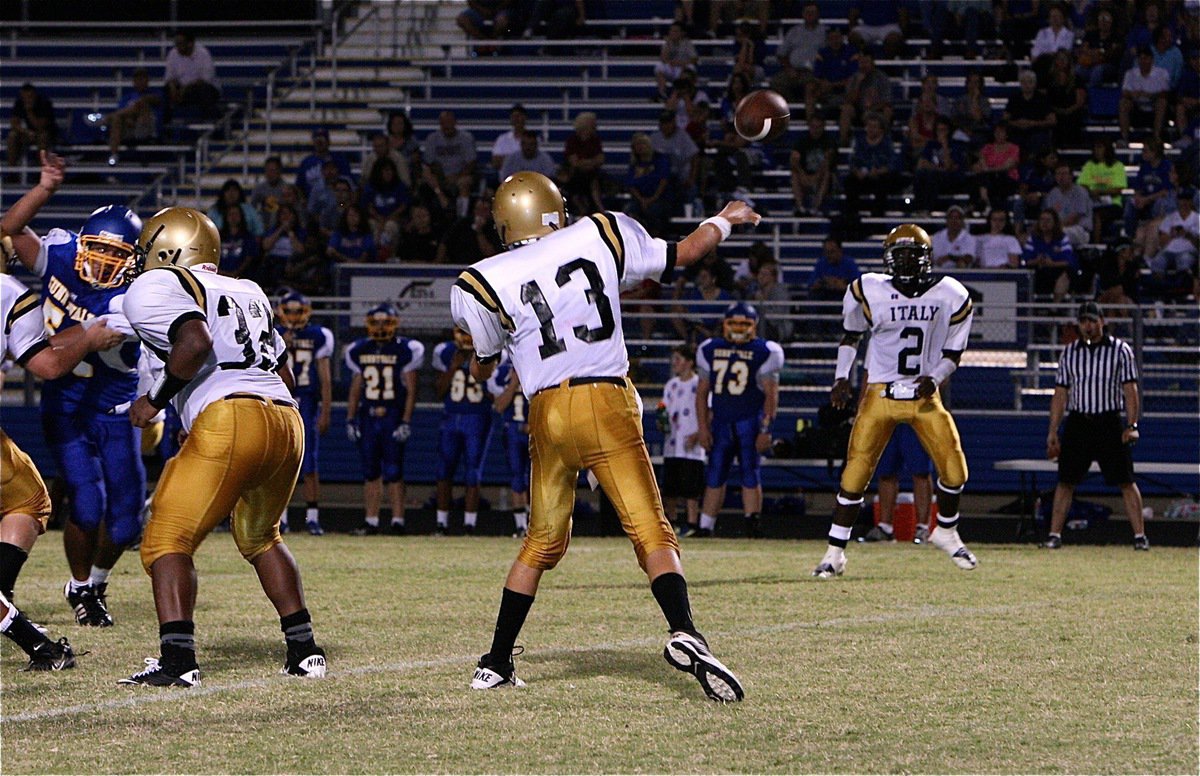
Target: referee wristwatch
{"type": "Point", "coordinates": [1132, 427]}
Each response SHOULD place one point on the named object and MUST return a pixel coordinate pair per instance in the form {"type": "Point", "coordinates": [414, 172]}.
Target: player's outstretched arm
{"type": "Point", "coordinates": [713, 231]}
{"type": "Point", "coordinates": [67, 348]}
{"type": "Point", "coordinates": [15, 223]}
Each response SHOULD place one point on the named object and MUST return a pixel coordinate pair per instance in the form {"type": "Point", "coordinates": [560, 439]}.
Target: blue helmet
{"type": "Point", "coordinates": [741, 322]}
{"type": "Point", "coordinates": [294, 310]}
{"type": "Point", "coordinates": [106, 243]}
{"type": "Point", "coordinates": [382, 322]}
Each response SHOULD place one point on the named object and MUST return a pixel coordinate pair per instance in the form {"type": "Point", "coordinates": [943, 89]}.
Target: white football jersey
{"type": "Point", "coordinates": [24, 332]}
{"type": "Point", "coordinates": [908, 334]}
{"type": "Point", "coordinates": [555, 304]}
{"type": "Point", "coordinates": [246, 348]}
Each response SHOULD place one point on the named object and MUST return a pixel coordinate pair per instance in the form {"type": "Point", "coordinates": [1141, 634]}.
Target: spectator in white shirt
{"type": "Point", "coordinates": [998, 248]}
{"type": "Point", "coordinates": [510, 141]}
{"type": "Point", "coordinates": [191, 76]}
{"type": "Point", "coordinates": [796, 53]}
{"type": "Point", "coordinates": [954, 246]}
{"type": "Point", "coordinates": [1056, 36]}
{"type": "Point", "coordinates": [1179, 234]}
{"type": "Point", "coordinates": [1144, 91]}
{"type": "Point", "coordinates": [529, 159]}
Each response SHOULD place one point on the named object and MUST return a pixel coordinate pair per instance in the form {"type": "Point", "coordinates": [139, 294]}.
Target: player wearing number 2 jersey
{"type": "Point", "coordinates": [553, 304]}
{"type": "Point", "coordinates": [225, 371]}
{"type": "Point", "coordinates": [919, 328]}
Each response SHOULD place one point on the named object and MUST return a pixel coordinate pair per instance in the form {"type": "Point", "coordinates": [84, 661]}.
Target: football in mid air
{"type": "Point", "coordinates": [761, 116]}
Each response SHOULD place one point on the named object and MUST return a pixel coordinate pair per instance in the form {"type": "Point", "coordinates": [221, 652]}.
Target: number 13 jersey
{"type": "Point", "coordinates": [555, 303]}
{"type": "Point", "coordinates": [908, 334]}
{"type": "Point", "coordinates": [246, 349]}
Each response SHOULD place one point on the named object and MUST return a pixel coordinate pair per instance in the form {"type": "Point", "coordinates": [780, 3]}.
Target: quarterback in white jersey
{"type": "Point", "coordinates": [553, 303]}
{"type": "Point", "coordinates": [919, 328]}
{"type": "Point", "coordinates": [225, 372]}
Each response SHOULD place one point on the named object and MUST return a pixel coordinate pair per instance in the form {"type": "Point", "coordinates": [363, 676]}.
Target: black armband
{"type": "Point", "coordinates": [164, 389]}
{"type": "Point", "coordinates": [485, 360]}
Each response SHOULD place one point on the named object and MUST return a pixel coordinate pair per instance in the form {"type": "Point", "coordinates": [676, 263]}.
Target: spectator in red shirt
{"type": "Point", "coordinates": [581, 174]}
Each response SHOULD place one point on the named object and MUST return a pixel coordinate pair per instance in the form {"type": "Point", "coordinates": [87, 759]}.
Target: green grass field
{"type": "Point", "coordinates": [1084, 660]}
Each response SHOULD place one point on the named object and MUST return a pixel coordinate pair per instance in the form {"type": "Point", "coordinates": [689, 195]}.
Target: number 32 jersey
{"type": "Point", "coordinates": [908, 334]}
{"type": "Point", "coordinates": [555, 304]}
{"type": "Point", "coordinates": [246, 348]}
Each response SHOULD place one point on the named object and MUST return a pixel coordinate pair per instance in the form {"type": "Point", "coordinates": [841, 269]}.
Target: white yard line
{"type": "Point", "coordinates": [141, 696]}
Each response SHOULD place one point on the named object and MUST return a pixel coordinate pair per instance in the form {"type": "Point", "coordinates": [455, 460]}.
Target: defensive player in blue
{"type": "Point", "coordinates": [510, 404]}
{"type": "Point", "coordinates": [383, 393]}
{"type": "Point", "coordinates": [84, 414]}
{"type": "Point", "coordinates": [740, 371]}
{"type": "Point", "coordinates": [309, 349]}
{"type": "Point", "coordinates": [466, 424]}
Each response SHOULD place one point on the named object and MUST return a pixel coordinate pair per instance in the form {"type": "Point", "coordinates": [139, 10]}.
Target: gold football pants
{"type": "Point", "coordinates": [877, 418]}
{"type": "Point", "coordinates": [22, 491]}
{"type": "Point", "coordinates": [241, 457]}
{"type": "Point", "coordinates": [595, 426]}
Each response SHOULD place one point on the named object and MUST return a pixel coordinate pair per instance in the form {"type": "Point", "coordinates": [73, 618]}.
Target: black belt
{"type": "Point", "coordinates": [263, 399]}
{"type": "Point", "coordinates": [577, 381]}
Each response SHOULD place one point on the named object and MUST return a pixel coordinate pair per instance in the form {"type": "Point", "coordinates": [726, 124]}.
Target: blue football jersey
{"type": "Point", "coordinates": [308, 344]}
{"type": "Point", "coordinates": [466, 394]}
{"type": "Point", "coordinates": [102, 380]}
{"type": "Point", "coordinates": [735, 372]}
{"type": "Point", "coordinates": [382, 366]}
{"type": "Point", "coordinates": [516, 411]}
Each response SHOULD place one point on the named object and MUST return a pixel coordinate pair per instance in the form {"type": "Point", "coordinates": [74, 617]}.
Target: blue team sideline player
{"type": "Point", "coordinates": [510, 404]}
{"type": "Point", "coordinates": [741, 372]}
{"type": "Point", "coordinates": [379, 409]}
{"type": "Point", "coordinates": [84, 414]}
{"type": "Point", "coordinates": [466, 423]}
{"type": "Point", "coordinates": [309, 349]}
{"type": "Point", "coordinates": [903, 453]}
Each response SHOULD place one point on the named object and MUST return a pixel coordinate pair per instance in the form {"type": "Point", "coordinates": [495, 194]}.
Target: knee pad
{"type": "Point", "coordinates": [539, 555]}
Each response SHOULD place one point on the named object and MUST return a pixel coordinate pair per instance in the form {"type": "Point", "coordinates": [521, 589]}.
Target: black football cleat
{"type": "Point", "coordinates": [310, 665]}
{"type": "Point", "coordinates": [154, 675]}
{"type": "Point", "coordinates": [489, 676]}
{"type": "Point", "coordinates": [52, 656]}
{"type": "Point", "coordinates": [89, 603]}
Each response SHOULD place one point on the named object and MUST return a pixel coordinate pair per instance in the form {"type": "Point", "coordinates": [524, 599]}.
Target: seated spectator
{"type": "Point", "coordinates": [970, 21]}
{"type": "Point", "coordinates": [684, 98]}
{"type": "Point", "coordinates": [321, 196]}
{"type": "Point", "coordinates": [874, 23]}
{"type": "Point", "coordinates": [869, 91]}
{"type": "Point", "coordinates": [996, 172]}
{"type": "Point", "coordinates": [1054, 37]}
{"type": "Point", "coordinates": [310, 172]}
{"type": "Point", "coordinates": [832, 70]}
{"type": "Point", "coordinates": [874, 168]}
{"type": "Point", "coordinates": [464, 199]}
{"type": "Point", "coordinates": [450, 150]}
{"type": "Point", "coordinates": [772, 300]}
{"type": "Point", "coordinates": [1168, 56]}
{"type": "Point", "coordinates": [954, 246]}
{"type": "Point", "coordinates": [1068, 98]}
{"type": "Point", "coordinates": [233, 195]}
{"type": "Point", "coordinates": [679, 147]}
{"type": "Point", "coordinates": [509, 142]}
{"type": "Point", "coordinates": [1073, 203]}
{"type": "Point", "coordinates": [430, 192]}
{"type": "Point", "coordinates": [1034, 182]}
{"type": "Point", "coordinates": [813, 162]}
{"type": "Point", "coordinates": [746, 272]}
{"type": "Point", "coordinates": [268, 192]}
{"type": "Point", "coordinates": [1143, 96]}
{"type": "Point", "coordinates": [701, 318]}
{"type": "Point", "coordinates": [930, 88]}
{"type": "Point", "coordinates": [748, 51]}
{"type": "Point", "coordinates": [998, 248]}
{"type": "Point", "coordinates": [1019, 22]}
{"type": "Point", "coordinates": [677, 54]}
{"type": "Point", "coordinates": [352, 241]}
{"type": "Point", "coordinates": [344, 196]}
{"type": "Point", "coordinates": [725, 15]}
{"type": "Point", "coordinates": [471, 238]}
{"type": "Point", "coordinates": [403, 140]}
{"type": "Point", "coordinates": [281, 246]}
{"type": "Point", "coordinates": [698, 130]}
{"type": "Point", "coordinates": [418, 239]}
{"type": "Point", "coordinates": [1104, 178]}
{"type": "Point", "coordinates": [530, 158]}
{"type": "Point", "coordinates": [1029, 115]}
{"type": "Point", "coordinates": [239, 248]}
{"type": "Point", "coordinates": [941, 170]}
{"type": "Point", "coordinates": [832, 272]}
{"type": "Point", "coordinates": [1151, 189]}
{"type": "Point", "coordinates": [583, 161]}
{"type": "Point", "coordinates": [138, 116]}
{"type": "Point", "coordinates": [797, 52]}
{"type": "Point", "coordinates": [1049, 253]}
{"type": "Point", "coordinates": [484, 20]}
{"type": "Point", "coordinates": [1143, 33]}
{"type": "Point", "coordinates": [1187, 96]}
{"type": "Point", "coordinates": [736, 88]}
{"type": "Point", "coordinates": [291, 196]}
{"type": "Point", "coordinates": [382, 149]}
{"type": "Point", "coordinates": [31, 125]}
{"type": "Point", "coordinates": [972, 112]}
{"type": "Point", "coordinates": [1117, 275]}
{"type": "Point", "coordinates": [646, 182]}
{"type": "Point", "coordinates": [1179, 236]}
{"type": "Point", "coordinates": [922, 125]}
{"type": "Point", "coordinates": [558, 19]}
{"type": "Point", "coordinates": [191, 78]}
{"type": "Point", "coordinates": [1099, 58]}
{"type": "Point", "coordinates": [384, 195]}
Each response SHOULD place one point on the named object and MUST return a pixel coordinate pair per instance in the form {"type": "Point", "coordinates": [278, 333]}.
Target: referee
{"type": "Point", "coordinates": [1097, 379]}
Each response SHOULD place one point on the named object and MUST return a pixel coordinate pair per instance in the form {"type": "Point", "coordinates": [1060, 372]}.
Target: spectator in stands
{"type": "Point", "coordinates": [431, 193]}
{"type": "Point", "coordinates": [1068, 98]}
{"type": "Point", "coordinates": [996, 170]}
{"type": "Point", "coordinates": [1049, 252]}
{"type": "Point", "coordinates": [869, 91]}
{"type": "Point", "coordinates": [558, 19]}
{"type": "Point", "coordinates": [874, 168]}
{"type": "Point", "coordinates": [382, 149]}
{"type": "Point", "coordinates": [268, 192]}
{"type": "Point", "coordinates": [1073, 203]}
{"type": "Point", "coordinates": [402, 138]}
{"type": "Point", "coordinates": [450, 150]}
{"type": "Point", "coordinates": [1104, 178]}
{"type": "Point", "coordinates": [344, 196]}
{"type": "Point", "coordinates": [1179, 236]}
{"type": "Point", "coordinates": [1168, 56]}
{"type": "Point", "coordinates": [922, 125]}
{"type": "Point", "coordinates": [748, 51]}
{"type": "Point", "coordinates": [874, 23]}
{"type": "Point", "coordinates": [191, 77]}
{"type": "Point", "coordinates": [474, 21]}
{"type": "Point", "coordinates": [724, 15]}
{"type": "Point", "coordinates": [930, 88]}
{"type": "Point", "coordinates": [352, 240]}
{"type": "Point", "coordinates": [321, 195]}
{"type": "Point", "coordinates": [679, 147]}
{"type": "Point", "coordinates": [291, 196]}
{"type": "Point", "coordinates": [310, 173]}
{"type": "Point", "coordinates": [1187, 96]}
{"type": "Point", "coordinates": [736, 88]}
{"type": "Point", "coordinates": [942, 168]}
{"type": "Point", "coordinates": [583, 160]}
{"type": "Point", "coordinates": [832, 70]}
{"type": "Point", "coordinates": [384, 195]}
{"type": "Point", "coordinates": [530, 158]}
{"type": "Point", "coordinates": [1034, 182]}
{"type": "Point", "coordinates": [832, 272]}
{"type": "Point", "coordinates": [1144, 96]}
{"type": "Point", "coordinates": [998, 248]}
{"type": "Point", "coordinates": [813, 162]}
{"type": "Point", "coordinates": [698, 130]}
{"type": "Point", "coordinates": [1117, 275]}
{"type": "Point", "coordinates": [954, 246]}
{"type": "Point", "coordinates": [1054, 37]}
{"type": "Point", "coordinates": [1029, 115]}
{"type": "Point", "coordinates": [970, 20]}
{"type": "Point", "coordinates": [1151, 188]}
{"type": "Point", "coordinates": [509, 142]}
{"type": "Point", "coordinates": [771, 299]}
{"type": "Point", "coordinates": [281, 246]}
{"type": "Point", "coordinates": [700, 318]}
{"type": "Point", "coordinates": [746, 272]}
{"type": "Point", "coordinates": [239, 248]}
{"type": "Point", "coordinates": [646, 182]}
{"type": "Point", "coordinates": [233, 195]}
{"type": "Point", "coordinates": [684, 98]}
{"type": "Point", "coordinates": [1018, 22]}
{"type": "Point", "coordinates": [418, 239]}
{"type": "Point", "coordinates": [797, 52]}
{"type": "Point", "coordinates": [678, 54]}
{"type": "Point", "coordinates": [464, 199]}
{"type": "Point", "coordinates": [972, 112]}
{"type": "Point", "coordinates": [471, 238]}
{"type": "Point", "coordinates": [1144, 33]}
{"type": "Point", "coordinates": [32, 124]}
{"type": "Point", "coordinates": [138, 116]}
{"type": "Point", "coordinates": [1100, 55]}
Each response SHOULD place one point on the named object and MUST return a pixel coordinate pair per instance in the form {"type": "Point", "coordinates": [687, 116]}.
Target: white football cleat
{"type": "Point", "coordinates": [490, 677]}
{"type": "Point", "coordinates": [950, 543]}
{"type": "Point", "coordinates": [691, 654]}
{"type": "Point", "coordinates": [832, 565]}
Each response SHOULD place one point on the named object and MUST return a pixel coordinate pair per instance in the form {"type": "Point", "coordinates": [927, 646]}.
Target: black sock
{"type": "Point", "coordinates": [670, 590]}
{"type": "Point", "coordinates": [298, 632]}
{"type": "Point", "coordinates": [12, 558]}
{"type": "Point", "coordinates": [177, 641]}
{"type": "Point", "coordinates": [514, 607]}
{"type": "Point", "coordinates": [310, 504]}
{"type": "Point", "coordinates": [27, 637]}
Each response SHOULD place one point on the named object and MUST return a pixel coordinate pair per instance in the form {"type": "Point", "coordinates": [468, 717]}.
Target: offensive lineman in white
{"type": "Point", "coordinates": [552, 302]}
{"type": "Point", "coordinates": [919, 328]}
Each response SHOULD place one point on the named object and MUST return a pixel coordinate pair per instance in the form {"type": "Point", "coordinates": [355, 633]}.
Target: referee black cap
{"type": "Point", "coordinates": [1089, 310]}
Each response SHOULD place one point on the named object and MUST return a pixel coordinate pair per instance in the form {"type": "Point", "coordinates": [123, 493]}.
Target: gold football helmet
{"type": "Point", "coordinates": [7, 252]}
{"type": "Point", "coordinates": [908, 253]}
{"type": "Point", "coordinates": [179, 237]}
{"type": "Point", "coordinates": [463, 339]}
{"type": "Point", "coordinates": [527, 206]}
{"type": "Point", "coordinates": [382, 323]}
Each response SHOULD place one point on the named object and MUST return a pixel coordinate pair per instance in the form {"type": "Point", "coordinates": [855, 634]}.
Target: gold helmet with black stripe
{"type": "Point", "coordinates": [528, 205]}
{"type": "Point", "coordinates": [908, 254]}
{"type": "Point", "coordinates": [177, 237]}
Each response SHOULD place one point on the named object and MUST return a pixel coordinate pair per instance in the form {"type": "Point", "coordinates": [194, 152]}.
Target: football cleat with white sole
{"type": "Point", "coordinates": [310, 666]}
{"type": "Point", "coordinates": [832, 565]}
{"type": "Point", "coordinates": [690, 654]}
{"type": "Point", "coordinates": [154, 675]}
{"type": "Point", "coordinates": [950, 543]}
{"type": "Point", "coordinates": [922, 536]}
{"type": "Point", "coordinates": [52, 656]}
{"type": "Point", "coordinates": [89, 604]}
{"type": "Point", "coordinates": [488, 676]}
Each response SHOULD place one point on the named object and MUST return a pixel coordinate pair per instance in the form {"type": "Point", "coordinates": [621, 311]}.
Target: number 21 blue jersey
{"type": "Point", "coordinates": [382, 366]}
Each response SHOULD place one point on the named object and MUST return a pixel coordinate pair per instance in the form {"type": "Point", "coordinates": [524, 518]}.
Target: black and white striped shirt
{"type": "Point", "coordinates": [1094, 375]}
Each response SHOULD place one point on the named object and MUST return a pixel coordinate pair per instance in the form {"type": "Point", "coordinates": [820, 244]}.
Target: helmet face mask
{"type": "Point", "coordinates": [908, 254]}
{"type": "Point", "coordinates": [382, 323]}
{"type": "Point", "coordinates": [740, 324]}
{"type": "Point", "coordinates": [105, 253]}
{"type": "Point", "coordinates": [179, 237]}
{"type": "Point", "coordinates": [294, 311]}
{"type": "Point", "coordinates": [527, 206]}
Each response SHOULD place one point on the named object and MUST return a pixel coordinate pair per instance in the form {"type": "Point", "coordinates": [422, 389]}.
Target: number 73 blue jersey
{"type": "Point", "coordinates": [735, 372]}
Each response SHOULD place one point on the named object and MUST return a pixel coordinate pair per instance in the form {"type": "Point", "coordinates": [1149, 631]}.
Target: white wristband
{"type": "Point", "coordinates": [942, 370]}
{"type": "Point", "coordinates": [89, 323]}
{"type": "Point", "coordinates": [722, 224]}
{"type": "Point", "coordinates": [845, 360]}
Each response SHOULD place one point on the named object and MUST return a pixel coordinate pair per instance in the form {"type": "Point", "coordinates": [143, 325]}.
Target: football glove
{"type": "Point", "coordinates": [402, 432]}
{"type": "Point", "coordinates": [352, 431]}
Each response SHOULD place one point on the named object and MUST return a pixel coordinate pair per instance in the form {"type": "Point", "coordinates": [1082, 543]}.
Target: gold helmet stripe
{"type": "Point", "coordinates": [26, 302]}
{"type": "Point", "coordinates": [857, 292]}
{"type": "Point", "coordinates": [190, 285]}
{"type": "Point", "coordinates": [473, 282]}
{"type": "Point", "coordinates": [962, 313]}
{"type": "Point", "coordinates": [606, 224]}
